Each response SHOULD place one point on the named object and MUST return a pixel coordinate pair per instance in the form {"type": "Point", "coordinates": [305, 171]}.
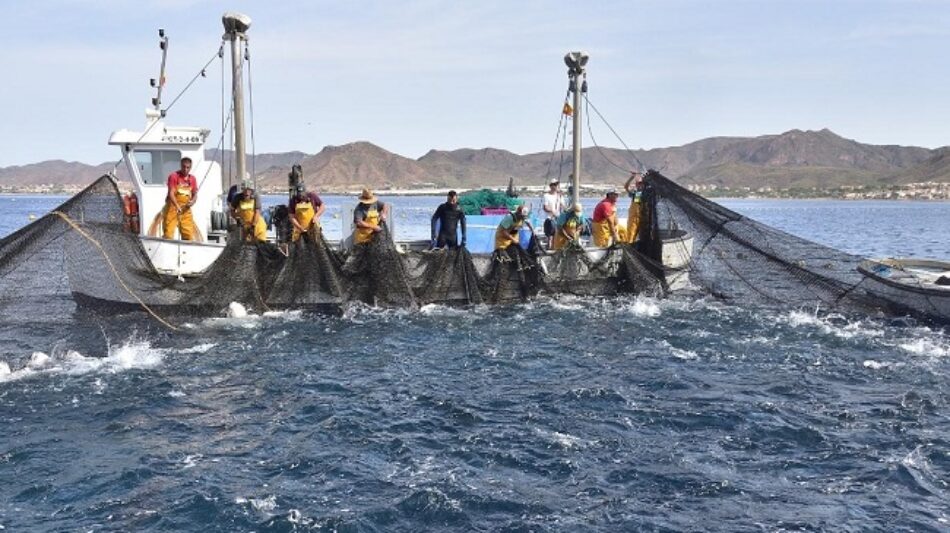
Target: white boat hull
{"type": "Point", "coordinates": [910, 285]}
{"type": "Point", "coordinates": [180, 258]}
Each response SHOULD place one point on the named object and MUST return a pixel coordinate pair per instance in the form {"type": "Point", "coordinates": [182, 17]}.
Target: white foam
{"type": "Point", "coordinates": [645, 308]}
{"type": "Point", "coordinates": [130, 355]}
{"type": "Point", "coordinates": [263, 505]}
{"type": "Point", "coordinates": [829, 325]}
{"type": "Point", "coordinates": [237, 316]}
{"type": "Point", "coordinates": [564, 440]}
{"type": "Point", "coordinates": [927, 347]}
{"type": "Point", "coordinates": [443, 310]}
{"type": "Point", "coordinates": [191, 460]}
{"type": "Point", "coordinates": [678, 353]}
{"type": "Point", "coordinates": [360, 313]}
{"type": "Point", "coordinates": [287, 316]}
{"type": "Point", "coordinates": [875, 365]}
{"type": "Point", "coordinates": [38, 360]}
{"type": "Point", "coordinates": [201, 348]}
{"type": "Point", "coordinates": [245, 322]}
{"type": "Point", "coordinates": [683, 354]}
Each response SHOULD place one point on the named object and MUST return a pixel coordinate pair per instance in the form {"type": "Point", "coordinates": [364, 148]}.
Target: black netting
{"type": "Point", "coordinates": [514, 274]}
{"type": "Point", "coordinates": [377, 274]}
{"type": "Point", "coordinates": [446, 275]}
{"type": "Point", "coordinates": [311, 276]}
{"type": "Point", "coordinates": [83, 252]}
{"type": "Point", "coordinates": [741, 260]}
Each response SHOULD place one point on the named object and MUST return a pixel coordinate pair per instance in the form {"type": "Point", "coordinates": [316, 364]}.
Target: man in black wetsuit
{"type": "Point", "coordinates": [448, 216]}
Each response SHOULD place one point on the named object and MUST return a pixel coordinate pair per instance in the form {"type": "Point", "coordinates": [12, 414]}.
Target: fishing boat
{"type": "Point", "coordinates": [918, 286]}
{"type": "Point", "coordinates": [113, 257]}
{"type": "Point", "coordinates": [152, 154]}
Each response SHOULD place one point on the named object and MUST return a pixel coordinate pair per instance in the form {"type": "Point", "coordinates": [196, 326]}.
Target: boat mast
{"type": "Point", "coordinates": [235, 27]}
{"type": "Point", "coordinates": [160, 83]}
{"type": "Point", "coordinates": [577, 74]}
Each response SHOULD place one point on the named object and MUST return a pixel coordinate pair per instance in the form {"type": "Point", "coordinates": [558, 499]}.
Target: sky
{"type": "Point", "coordinates": [411, 76]}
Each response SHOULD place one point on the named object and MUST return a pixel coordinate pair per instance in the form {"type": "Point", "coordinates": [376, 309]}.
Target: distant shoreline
{"type": "Point", "coordinates": [927, 192]}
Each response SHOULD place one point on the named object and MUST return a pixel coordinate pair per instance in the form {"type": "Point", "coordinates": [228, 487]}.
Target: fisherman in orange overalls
{"type": "Point", "coordinates": [182, 194]}
{"type": "Point", "coordinates": [305, 210]}
{"type": "Point", "coordinates": [246, 209]}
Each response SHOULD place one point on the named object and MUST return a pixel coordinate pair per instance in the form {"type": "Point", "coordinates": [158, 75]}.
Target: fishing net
{"type": "Point", "coordinates": [84, 252]}
{"type": "Point", "coordinates": [377, 274]}
{"type": "Point", "coordinates": [740, 260]}
{"type": "Point", "coordinates": [473, 202]}
{"type": "Point", "coordinates": [446, 275]}
{"type": "Point", "coordinates": [311, 276]}
{"type": "Point", "coordinates": [514, 274]}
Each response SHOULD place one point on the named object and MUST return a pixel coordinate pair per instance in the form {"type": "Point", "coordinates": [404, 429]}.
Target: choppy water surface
{"type": "Point", "coordinates": [554, 415]}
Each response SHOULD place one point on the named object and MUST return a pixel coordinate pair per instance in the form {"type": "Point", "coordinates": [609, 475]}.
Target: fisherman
{"type": "Point", "coordinates": [448, 216]}
{"type": "Point", "coordinates": [368, 217]}
{"type": "Point", "coordinates": [508, 229]}
{"type": "Point", "coordinates": [569, 224]}
{"type": "Point", "coordinates": [604, 228]}
{"type": "Point", "coordinates": [637, 203]}
{"type": "Point", "coordinates": [246, 209]}
{"type": "Point", "coordinates": [182, 194]}
{"type": "Point", "coordinates": [305, 208]}
{"type": "Point", "coordinates": [553, 204]}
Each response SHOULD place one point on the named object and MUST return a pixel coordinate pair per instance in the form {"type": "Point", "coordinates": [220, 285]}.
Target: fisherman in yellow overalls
{"type": "Point", "coordinates": [368, 217]}
{"type": "Point", "coordinates": [604, 229]}
{"type": "Point", "coordinates": [246, 209]}
{"type": "Point", "coordinates": [509, 228]}
{"type": "Point", "coordinates": [305, 210]}
{"type": "Point", "coordinates": [182, 194]}
{"type": "Point", "coordinates": [569, 224]}
{"type": "Point", "coordinates": [635, 215]}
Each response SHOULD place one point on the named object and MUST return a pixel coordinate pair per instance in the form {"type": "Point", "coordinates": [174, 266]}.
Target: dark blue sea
{"type": "Point", "coordinates": [567, 414]}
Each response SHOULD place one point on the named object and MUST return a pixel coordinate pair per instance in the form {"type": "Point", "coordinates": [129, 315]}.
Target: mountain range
{"type": "Point", "coordinates": [794, 159]}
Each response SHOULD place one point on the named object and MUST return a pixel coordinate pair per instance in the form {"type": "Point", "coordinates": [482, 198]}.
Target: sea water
{"type": "Point", "coordinates": [559, 414]}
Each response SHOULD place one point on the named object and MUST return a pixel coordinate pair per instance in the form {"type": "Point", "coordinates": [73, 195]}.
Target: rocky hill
{"type": "Point", "coordinates": [796, 159]}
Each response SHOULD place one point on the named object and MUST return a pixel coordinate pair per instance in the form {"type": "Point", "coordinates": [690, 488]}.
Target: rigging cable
{"type": "Point", "coordinates": [180, 94]}
{"type": "Point", "coordinates": [594, 141]}
{"type": "Point", "coordinates": [557, 136]}
{"type": "Point", "coordinates": [612, 130]}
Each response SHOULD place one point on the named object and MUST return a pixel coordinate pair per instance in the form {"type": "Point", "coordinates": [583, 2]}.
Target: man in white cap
{"type": "Point", "coordinates": [553, 205]}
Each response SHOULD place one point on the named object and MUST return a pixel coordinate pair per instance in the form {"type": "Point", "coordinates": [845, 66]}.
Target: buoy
{"type": "Point", "coordinates": [31, 216]}
{"type": "Point", "coordinates": [236, 310]}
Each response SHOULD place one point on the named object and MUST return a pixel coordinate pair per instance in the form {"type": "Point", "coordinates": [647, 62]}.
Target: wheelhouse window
{"type": "Point", "coordinates": [154, 166]}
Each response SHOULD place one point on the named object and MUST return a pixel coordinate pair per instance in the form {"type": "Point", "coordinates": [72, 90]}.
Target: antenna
{"type": "Point", "coordinates": [160, 83]}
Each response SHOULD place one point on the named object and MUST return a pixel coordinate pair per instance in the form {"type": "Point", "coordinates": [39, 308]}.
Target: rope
{"type": "Point", "coordinates": [102, 250]}
{"type": "Point", "coordinates": [180, 94]}
{"type": "Point", "coordinates": [594, 141]}
{"type": "Point", "coordinates": [220, 149]}
{"type": "Point", "coordinates": [557, 136]}
{"type": "Point", "coordinates": [612, 130]}
{"type": "Point", "coordinates": [195, 78]}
